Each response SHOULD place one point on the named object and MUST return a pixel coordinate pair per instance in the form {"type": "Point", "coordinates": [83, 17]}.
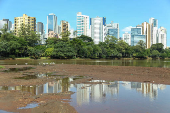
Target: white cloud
{"type": "Point", "coordinates": [127, 29]}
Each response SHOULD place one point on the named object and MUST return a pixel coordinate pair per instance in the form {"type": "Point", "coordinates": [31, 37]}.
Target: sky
{"type": "Point", "coordinates": [125, 12]}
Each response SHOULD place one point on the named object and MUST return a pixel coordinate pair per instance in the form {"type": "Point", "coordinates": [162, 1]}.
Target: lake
{"type": "Point", "coordinates": [122, 62]}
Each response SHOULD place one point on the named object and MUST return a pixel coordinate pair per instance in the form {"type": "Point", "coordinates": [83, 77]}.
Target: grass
{"type": "Point", "coordinates": [2, 67]}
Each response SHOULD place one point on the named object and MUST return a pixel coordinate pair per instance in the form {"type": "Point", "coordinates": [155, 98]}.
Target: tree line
{"type": "Point", "coordinates": [26, 43]}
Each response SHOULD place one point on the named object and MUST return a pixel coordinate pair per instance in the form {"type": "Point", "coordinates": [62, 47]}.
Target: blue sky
{"type": "Point", "coordinates": [125, 12]}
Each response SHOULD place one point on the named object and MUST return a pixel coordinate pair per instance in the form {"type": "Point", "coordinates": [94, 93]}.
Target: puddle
{"type": "Point", "coordinates": [32, 105]}
{"type": "Point", "coordinates": [2, 111]}
{"type": "Point", "coordinates": [106, 96]}
{"type": "Point", "coordinates": [18, 69]}
{"type": "Point", "coordinates": [32, 75]}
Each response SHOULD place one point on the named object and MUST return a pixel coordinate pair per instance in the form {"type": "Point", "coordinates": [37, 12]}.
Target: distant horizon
{"type": "Point", "coordinates": [127, 13]}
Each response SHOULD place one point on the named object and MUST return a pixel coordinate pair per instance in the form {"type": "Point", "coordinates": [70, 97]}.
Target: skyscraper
{"type": "Point", "coordinates": [52, 23]}
{"type": "Point", "coordinates": [162, 36]}
{"type": "Point", "coordinates": [127, 38]}
{"type": "Point", "coordinates": [98, 29]}
{"type": "Point", "coordinates": [136, 35]}
{"type": "Point", "coordinates": [82, 24]}
{"type": "Point", "coordinates": [146, 31]}
{"type": "Point", "coordinates": [27, 20]}
{"type": "Point", "coordinates": [7, 22]}
{"type": "Point", "coordinates": [154, 30]}
{"type": "Point", "coordinates": [40, 31]}
{"type": "Point", "coordinates": [40, 27]}
{"type": "Point", "coordinates": [112, 29]}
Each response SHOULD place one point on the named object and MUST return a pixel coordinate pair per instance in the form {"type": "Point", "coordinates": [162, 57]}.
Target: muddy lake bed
{"type": "Point", "coordinates": [83, 87]}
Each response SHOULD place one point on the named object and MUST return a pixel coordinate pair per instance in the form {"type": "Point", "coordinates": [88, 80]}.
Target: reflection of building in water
{"type": "Point", "coordinates": [95, 92]}
{"type": "Point", "coordinates": [112, 88]}
{"type": "Point", "coordinates": [50, 87]}
{"type": "Point", "coordinates": [147, 89]}
{"type": "Point", "coordinates": [83, 93]}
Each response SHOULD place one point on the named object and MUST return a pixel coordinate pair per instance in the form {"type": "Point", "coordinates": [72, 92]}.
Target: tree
{"type": "Point", "coordinates": [85, 38]}
{"type": "Point", "coordinates": [155, 54]}
{"type": "Point", "coordinates": [48, 52]}
{"type": "Point", "coordinates": [141, 43]}
{"type": "Point", "coordinates": [122, 47]}
{"type": "Point", "coordinates": [29, 36]}
{"type": "Point", "coordinates": [158, 47]}
{"type": "Point", "coordinates": [163, 55]}
{"type": "Point", "coordinates": [65, 35]}
{"type": "Point", "coordinates": [110, 39]}
{"type": "Point", "coordinates": [75, 33]}
{"type": "Point", "coordinates": [63, 50]}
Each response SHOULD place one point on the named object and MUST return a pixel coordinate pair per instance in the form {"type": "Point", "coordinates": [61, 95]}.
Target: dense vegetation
{"type": "Point", "coordinates": [26, 43]}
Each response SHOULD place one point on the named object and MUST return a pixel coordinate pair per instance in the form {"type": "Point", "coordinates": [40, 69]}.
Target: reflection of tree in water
{"type": "Point", "coordinates": [65, 84]}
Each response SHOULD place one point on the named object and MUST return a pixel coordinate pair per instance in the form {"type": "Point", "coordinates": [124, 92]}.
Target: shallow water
{"type": "Point", "coordinates": [107, 96]}
{"type": "Point", "coordinates": [123, 62]}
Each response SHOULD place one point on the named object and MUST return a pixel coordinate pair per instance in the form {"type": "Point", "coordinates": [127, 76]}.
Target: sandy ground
{"type": "Point", "coordinates": [53, 103]}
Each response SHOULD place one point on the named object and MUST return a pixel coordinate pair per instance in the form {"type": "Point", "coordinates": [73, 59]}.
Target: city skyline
{"type": "Point", "coordinates": [122, 13]}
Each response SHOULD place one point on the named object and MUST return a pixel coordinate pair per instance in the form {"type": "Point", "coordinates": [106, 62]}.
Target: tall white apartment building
{"type": "Point", "coordinates": [127, 38]}
{"type": "Point", "coordinates": [82, 24]}
{"type": "Point", "coordinates": [98, 29]}
{"type": "Point", "coordinates": [154, 30]}
{"type": "Point", "coordinates": [162, 36]}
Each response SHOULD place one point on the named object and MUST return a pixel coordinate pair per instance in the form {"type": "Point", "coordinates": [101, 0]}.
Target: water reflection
{"type": "Point", "coordinates": [147, 89]}
{"type": "Point", "coordinates": [90, 91]}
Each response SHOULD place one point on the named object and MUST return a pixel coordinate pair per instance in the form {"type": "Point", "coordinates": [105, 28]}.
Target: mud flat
{"type": "Point", "coordinates": [23, 82]}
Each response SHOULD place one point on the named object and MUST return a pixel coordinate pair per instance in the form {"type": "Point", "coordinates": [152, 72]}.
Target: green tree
{"type": "Point", "coordinates": [63, 50]}
{"type": "Point", "coordinates": [155, 54]}
{"type": "Point", "coordinates": [29, 36]}
{"type": "Point", "coordinates": [85, 38]}
{"type": "Point", "coordinates": [65, 35]}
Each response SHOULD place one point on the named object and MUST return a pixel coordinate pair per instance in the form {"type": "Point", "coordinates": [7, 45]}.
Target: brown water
{"type": "Point", "coordinates": [98, 96]}
{"type": "Point", "coordinates": [123, 62]}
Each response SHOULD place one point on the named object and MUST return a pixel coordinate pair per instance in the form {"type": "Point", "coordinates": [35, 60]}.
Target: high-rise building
{"type": "Point", "coordinates": [112, 29]}
{"type": "Point", "coordinates": [40, 31]}
{"type": "Point", "coordinates": [7, 22]}
{"type": "Point", "coordinates": [26, 20]}
{"type": "Point", "coordinates": [98, 29]}
{"type": "Point", "coordinates": [59, 29]}
{"type": "Point", "coordinates": [136, 35]}
{"type": "Point", "coordinates": [82, 24]}
{"type": "Point", "coordinates": [146, 31]}
{"type": "Point", "coordinates": [127, 38]}
{"type": "Point", "coordinates": [52, 23]}
{"type": "Point", "coordinates": [154, 30]}
{"type": "Point", "coordinates": [64, 26]}
{"type": "Point", "coordinates": [162, 36]}
{"type": "Point", "coordinates": [40, 27]}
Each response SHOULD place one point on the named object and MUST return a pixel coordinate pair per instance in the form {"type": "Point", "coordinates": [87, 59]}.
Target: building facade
{"type": "Point", "coordinates": [82, 24]}
{"type": "Point", "coordinates": [136, 35]}
{"type": "Point", "coordinates": [112, 29]}
{"type": "Point", "coordinates": [26, 20]}
{"type": "Point", "coordinates": [40, 31]}
{"type": "Point", "coordinates": [127, 38]}
{"type": "Point", "coordinates": [64, 26]}
{"type": "Point", "coordinates": [98, 29]}
{"type": "Point", "coordinates": [147, 32]}
{"type": "Point", "coordinates": [52, 23]}
{"type": "Point", "coordinates": [7, 22]}
{"type": "Point", "coordinates": [154, 30]}
{"type": "Point", "coordinates": [162, 36]}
